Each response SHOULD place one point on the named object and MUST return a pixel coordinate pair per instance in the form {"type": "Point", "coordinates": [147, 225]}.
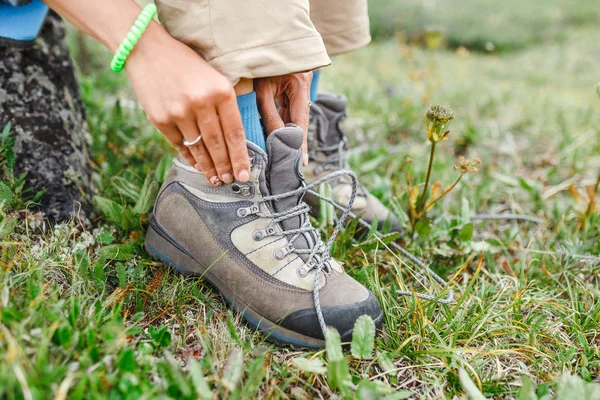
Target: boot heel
{"type": "Point", "coordinates": [161, 249]}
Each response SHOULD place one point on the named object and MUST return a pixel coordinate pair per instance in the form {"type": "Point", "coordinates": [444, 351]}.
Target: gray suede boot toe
{"type": "Point", "coordinates": [255, 244]}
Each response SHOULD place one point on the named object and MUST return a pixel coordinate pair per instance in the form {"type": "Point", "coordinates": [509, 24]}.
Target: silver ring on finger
{"type": "Point", "coordinates": [189, 143]}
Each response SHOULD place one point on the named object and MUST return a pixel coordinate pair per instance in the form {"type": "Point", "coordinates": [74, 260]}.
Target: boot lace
{"type": "Point", "coordinates": [319, 254]}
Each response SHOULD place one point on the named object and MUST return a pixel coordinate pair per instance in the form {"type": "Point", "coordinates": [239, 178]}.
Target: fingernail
{"type": "Point", "coordinates": [215, 181]}
{"type": "Point", "coordinates": [197, 166]}
{"type": "Point", "coordinates": [305, 159]}
{"type": "Point", "coordinates": [227, 178]}
{"type": "Point", "coordinates": [243, 176]}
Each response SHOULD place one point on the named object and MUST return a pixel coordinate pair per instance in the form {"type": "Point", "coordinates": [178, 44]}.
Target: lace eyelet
{"type": "Point", "coordinates": [284, 251]}
{"type": "Point", "coordinates": [258, 235]}
{"type": "Point", "coordinates": [302, 272]}
{"type": "Point", "coordinates": [279, 254]}
{"type": "Point", "coordinates": [245, 211]}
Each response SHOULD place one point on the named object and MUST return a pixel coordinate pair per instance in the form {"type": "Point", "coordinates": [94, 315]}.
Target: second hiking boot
{"type": "Point", "coordinates": [326, 146]}
{"type": "Point", "coordinates": [254, 242]}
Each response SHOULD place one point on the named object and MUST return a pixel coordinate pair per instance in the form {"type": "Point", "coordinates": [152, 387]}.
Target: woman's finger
{"type": "Point", "coordinates": [212, 136]}
{"type": "Point", "coordinates": [203, 161]}
{"type": "Point", "coordinates": [268, 110]}
{"type": "Point", "coordinates": [233, 132]}
{"type": "Point", "coordinates": [299, 113]}
{"type": "Point", "coordinates": [175, 137]}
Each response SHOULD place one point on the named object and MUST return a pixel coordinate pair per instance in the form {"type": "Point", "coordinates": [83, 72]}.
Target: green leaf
{"type": "Point", "coordinates": [121, 274]}
{"type": "Point", "coordinates": [423, 227]}
{"type": "Point", "coordinates": [106, 238]}
{"type": "Point", "coordinates": [122, 216]}
{"type": "Point", "coordinates": [337, 368]}
{"type": "Point", "coordinates": [177, 376]}
{"type": "Point", "coordinates": [111, 209]}
{"type": "Point", "coordinates": [118, 252]}
{"type": "Point", "coordinates": [311, 365]}
{"type": "Point", "coordinates": [82, 260]}
{"type": "Point", "coordinates": [231, 328]}
{"type": "Point", "coordinates": [333, 345]}
{"type": "Point", "coordinates": [527, 391]}
{"type": "Point", "coordinates": [162, 170]}
{"type": "Point", "coordinates": [400, 395]}
{"type": "Point", "coordinates": [161, 337]}
{"type": "Point", "coordinates": [385, 363]}
{"type": "Point", "coordinates": [466, 233]}
{"type": "Point", "coordinates": [147, 196]}
{"type": "Point", "coordinates": [6, 131]}
{"type": "Point", "coordinates": [367, 391]}
{"type": "Point", "coordinates": [198, 380]}
{"type": "Point", "coordinates": [380, 390]}
{"type": "Point", "coordinates": [338, 374]}
{"type": "Point", "coordinates": [6, 194]}
{"type": "Point", "coordinates": [8, 225]}
{"type": "Point", "coordinates": [63, 335]}
{"type": "Point", "coordinates": [470, 388]}
{"type": "Point", "coordinates": [363, 337]}
{"type": "Point", "coordinates": [126, 188]}
{"type": "Point", "coordinates": [573, 387]}
{"type": "Point", "coordinates": [7, 155]}
{"type": "Point", "coordinates": [465, 211]}
{"type": "Point", "coordinates": [375, 241]}
{"type": "Point", "coordinates": [255, 374]}
{"type": "Point", "coordinates": [234, 367]}
{"type": "Point", "coordinates": [127, 361]}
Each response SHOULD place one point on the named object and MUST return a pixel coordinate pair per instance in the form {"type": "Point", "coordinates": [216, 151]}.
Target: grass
{"type": "Point", "coordinates": [482, 25]}
{"type": "Point", "coordinates": [86, 314]}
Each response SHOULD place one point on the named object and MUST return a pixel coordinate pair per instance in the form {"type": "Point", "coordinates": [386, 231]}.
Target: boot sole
{"type": "Point", "coordinates": [163, 250]}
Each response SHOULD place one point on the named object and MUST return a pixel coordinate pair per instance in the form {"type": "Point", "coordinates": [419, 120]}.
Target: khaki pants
{"type": "Point", "coordinates": [260, 38]}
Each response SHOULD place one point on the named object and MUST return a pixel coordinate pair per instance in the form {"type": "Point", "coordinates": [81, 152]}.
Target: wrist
{"type": "Point", "coordinates": [153, 38]}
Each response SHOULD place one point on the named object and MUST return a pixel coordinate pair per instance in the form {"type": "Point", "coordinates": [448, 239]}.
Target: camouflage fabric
{"type": "Point", "coordinates": [39, 95]}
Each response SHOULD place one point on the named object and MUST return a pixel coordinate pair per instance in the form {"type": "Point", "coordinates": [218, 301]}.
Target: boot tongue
{"type": "Point", "coordinates": [333, 108]}
{"type": "Point", "coordinates": [284, 174]}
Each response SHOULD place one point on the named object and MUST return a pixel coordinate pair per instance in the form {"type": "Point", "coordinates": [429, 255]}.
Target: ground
{"type": "Point", "coordinates": [86, 314]}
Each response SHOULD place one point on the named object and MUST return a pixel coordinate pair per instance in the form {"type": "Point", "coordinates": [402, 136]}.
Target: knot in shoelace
{"type": "Point", "coordinates": [319, 254]}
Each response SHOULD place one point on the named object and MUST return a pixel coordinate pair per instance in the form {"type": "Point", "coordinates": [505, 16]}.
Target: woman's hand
{"type": "Point", "coordinates": [185, 97]}
{"type": "Point", "coordinates": [292, 93]}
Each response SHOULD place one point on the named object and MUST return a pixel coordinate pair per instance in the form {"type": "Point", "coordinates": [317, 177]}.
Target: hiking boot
{"type": "Point", "coordinates": [326, 146]}
{"type": "Point", "coordinates": [255, 244]}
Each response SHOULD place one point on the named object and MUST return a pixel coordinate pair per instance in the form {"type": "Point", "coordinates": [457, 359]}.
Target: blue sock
{"type": "Point", "coordinates": [251, 119]}
{"type": "Point", "coordinates": [314, 86]}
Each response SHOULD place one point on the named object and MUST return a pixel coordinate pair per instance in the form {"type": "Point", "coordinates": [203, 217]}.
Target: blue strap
{"type": "Point", "coordinates": [22, 24]}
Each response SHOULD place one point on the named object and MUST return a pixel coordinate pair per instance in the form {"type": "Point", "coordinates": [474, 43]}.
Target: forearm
{"type": "Point", "coordinates": [108, 21]}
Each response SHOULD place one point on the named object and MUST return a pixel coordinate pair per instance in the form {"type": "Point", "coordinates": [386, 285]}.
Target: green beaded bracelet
{"type": "Point", "coordinates": [135, 33]}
